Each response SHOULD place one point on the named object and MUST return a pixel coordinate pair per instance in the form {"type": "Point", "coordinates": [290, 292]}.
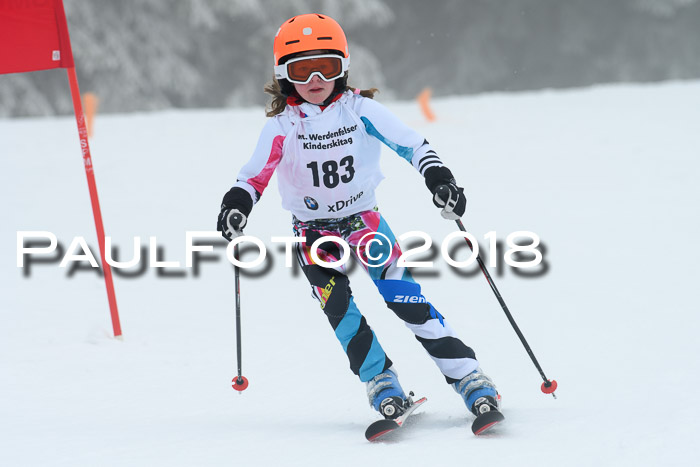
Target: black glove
{"type": "Point", "coordinates": [235, 209]}
{"type": "Point", "coordinates": [446, 194]}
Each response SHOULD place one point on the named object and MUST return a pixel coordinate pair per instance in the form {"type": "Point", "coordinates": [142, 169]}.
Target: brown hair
{"type": "Point", "coordinates": [279, 99]}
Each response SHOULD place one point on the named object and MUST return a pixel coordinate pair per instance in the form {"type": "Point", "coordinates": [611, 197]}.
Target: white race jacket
{"type": "Point", "coordinates": [327, 161]}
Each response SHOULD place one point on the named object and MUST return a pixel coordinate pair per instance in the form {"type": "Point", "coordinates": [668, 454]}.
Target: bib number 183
{"type": "Point", "coordinates": [331, 177]}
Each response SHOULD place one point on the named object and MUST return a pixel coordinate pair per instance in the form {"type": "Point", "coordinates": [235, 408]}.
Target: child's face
{"type": "Point", "coordinates": [315, 91]}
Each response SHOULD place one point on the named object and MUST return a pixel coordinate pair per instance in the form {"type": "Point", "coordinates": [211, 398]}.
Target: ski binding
{"type": "Point", "coordinates": [381, 428]}
{"type": "Point", "coordinates": [488, 415]}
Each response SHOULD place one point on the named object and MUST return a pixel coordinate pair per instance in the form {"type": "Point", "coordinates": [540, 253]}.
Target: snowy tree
{"type": "Point", "coordinates": [662, 8]}
{"type": "Point", "coordinates": [157, 54]}
{"type": "Point", "coordinates": [154, 54]}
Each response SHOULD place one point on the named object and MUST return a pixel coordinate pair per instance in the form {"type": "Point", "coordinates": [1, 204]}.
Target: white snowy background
{"type": "Point", "coordinates": [607, 176]}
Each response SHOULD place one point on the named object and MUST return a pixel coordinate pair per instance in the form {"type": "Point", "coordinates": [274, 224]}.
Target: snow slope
{"type": "Point", "coordinates": [604, 175]}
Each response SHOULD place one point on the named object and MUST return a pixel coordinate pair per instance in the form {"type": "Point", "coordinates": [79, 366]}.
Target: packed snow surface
{"type": "Point", "coordinates": [606, 176]}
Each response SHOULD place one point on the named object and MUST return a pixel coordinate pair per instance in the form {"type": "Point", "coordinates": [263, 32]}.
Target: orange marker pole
{"type": "Point", "coordinates": [424, 102]}
{"type": "Point", "coordinates": [90, 104]}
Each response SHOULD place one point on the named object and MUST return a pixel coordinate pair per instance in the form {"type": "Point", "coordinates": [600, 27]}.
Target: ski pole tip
{"type": "Point", "coordinates": [549, 386]}
{"type": "Point", "coordinates": [239, 383]}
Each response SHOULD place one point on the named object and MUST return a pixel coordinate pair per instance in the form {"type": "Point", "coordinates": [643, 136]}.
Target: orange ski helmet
{"type": "Point", "coordinates": [309, 32]}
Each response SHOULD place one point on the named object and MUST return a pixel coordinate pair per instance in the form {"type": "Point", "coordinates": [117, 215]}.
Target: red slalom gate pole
{"type": "Point", "coordinates": [94, 200]}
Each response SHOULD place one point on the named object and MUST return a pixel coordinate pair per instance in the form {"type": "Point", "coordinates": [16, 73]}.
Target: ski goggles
{"type": "Point", "coordinates": [300, 70]}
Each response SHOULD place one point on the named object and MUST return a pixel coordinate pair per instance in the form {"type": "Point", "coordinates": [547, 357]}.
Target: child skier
{"type": "Point", "coordinates": [323, 138]}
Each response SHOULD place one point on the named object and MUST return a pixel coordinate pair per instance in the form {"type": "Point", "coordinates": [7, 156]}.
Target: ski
{"type": "Point", "coordinates": [381, 428]}
{"type": "Point", "coordinates": [486, 420]}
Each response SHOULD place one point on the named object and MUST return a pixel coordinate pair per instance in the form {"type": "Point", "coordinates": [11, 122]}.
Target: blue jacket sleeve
{"type": "Point", "coordinates": [404, 140]}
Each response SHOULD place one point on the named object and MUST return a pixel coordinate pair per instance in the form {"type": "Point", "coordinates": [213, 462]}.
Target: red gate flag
{"type": "Point", "coordinates": [34, 36]}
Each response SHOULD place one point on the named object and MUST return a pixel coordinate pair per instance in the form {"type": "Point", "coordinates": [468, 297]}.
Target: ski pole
{"type": "Point", "coordinates": [240, 382]}
{"type": "Point", "coordinates": [548, 386]}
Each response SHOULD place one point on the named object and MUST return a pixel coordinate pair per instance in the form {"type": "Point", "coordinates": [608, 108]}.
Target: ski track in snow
{"type": "Point", "coordinates": [605, 175]}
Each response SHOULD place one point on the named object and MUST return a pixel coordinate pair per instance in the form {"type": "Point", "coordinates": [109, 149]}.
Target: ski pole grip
{"type": "Point", "coordinates": [442, 191]}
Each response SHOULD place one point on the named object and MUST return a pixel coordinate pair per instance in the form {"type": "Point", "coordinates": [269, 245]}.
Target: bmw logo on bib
{"type": "Point", "coordinates": [311, 203]}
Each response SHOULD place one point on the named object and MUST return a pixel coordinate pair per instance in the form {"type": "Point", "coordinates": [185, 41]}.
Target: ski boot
{"type": "Point", "coordinates": [478, 392]}
{"type": "Point", "coordinates": [482, 399]}
{"type": "Point", "coordinates": [386, 396]}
